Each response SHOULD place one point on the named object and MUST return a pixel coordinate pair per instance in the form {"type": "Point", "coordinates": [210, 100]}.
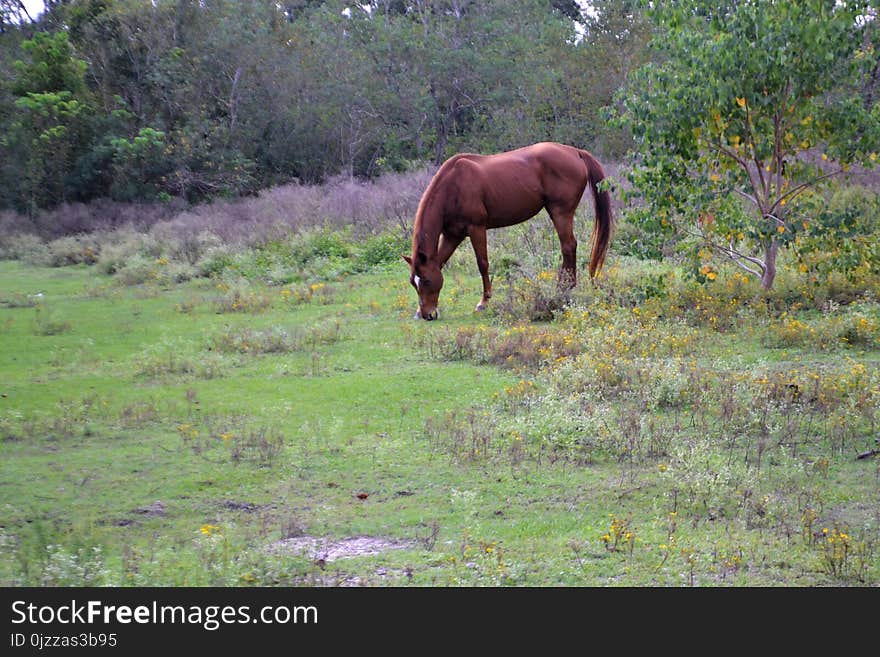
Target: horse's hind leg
{"type": "Point", "coordinates": [478, 241]}
{"type": "Point", "coordinates": [563, 221]}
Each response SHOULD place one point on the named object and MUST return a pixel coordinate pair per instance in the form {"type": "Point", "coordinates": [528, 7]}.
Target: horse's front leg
{"type": "Point", "coordinates": [447, 247]}
{"type": "Point", "coordinates": [478, 240]}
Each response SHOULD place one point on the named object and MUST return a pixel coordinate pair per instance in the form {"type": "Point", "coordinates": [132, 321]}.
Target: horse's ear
{"type": "Point", "coordinates": [408, 259]}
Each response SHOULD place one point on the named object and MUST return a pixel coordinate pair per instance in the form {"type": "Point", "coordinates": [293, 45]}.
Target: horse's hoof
{"type": "Point", "coordinates": [480, 307]}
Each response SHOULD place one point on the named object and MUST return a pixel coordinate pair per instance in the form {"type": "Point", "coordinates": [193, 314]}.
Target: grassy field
{"type": "Point", "coordinates": [232, 430]}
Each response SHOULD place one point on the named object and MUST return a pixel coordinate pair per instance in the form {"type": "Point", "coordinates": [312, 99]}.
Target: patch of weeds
{"type": "Point", "coordinates": [44, 554]}
{"type": "Point", "coordinates": [237, 438]}
{"type": "Point", "coordinates": [20, 300]}
{"type": "Point", "coordinates": [10, 421]}
{"type": "Point", "coordinates": [138, 414]}
{"type": "Point", "coordinates": [47, 323]}
{"type": "Point", "coordinates": [239, 296]}
{"type": "Point", "coordinates": [189, 304]}
{"type": "Point", "coordinates": [70, 419]}
{"type": "Point", "coordinates": [539, 298]}
{"type": "Point", "coordinates": [524, 346]}
{"type": "Point", "coordinates": [245, 340]}
{"type": "Point", "coordinates": [80, 567]}
{"type": "Point", "coordinates": [471, 436]}
{"type": "Point", "coordinates": [275, 339]}
{"type": "Point", "coordinates": [175, 356]}
{"type": "Point", "coordinates": [101, 291]}
{"type": "Point", "coordinates": [484, 561]}
{"type": "Point", "coordinates": [320, 293]}
{"type": "Point", "coordinates": [620, 536]}
{"type": "Point", "coordinates": [857, 326]}
{"type": "Point", "coordinates": [845, 557]}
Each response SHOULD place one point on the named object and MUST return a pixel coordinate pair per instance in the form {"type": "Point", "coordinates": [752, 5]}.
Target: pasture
{"type": "Point", "coordinates": [275, 416]}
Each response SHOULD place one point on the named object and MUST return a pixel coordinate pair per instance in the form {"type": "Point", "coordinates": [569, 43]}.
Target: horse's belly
{"type": "Point", "coordinates": [513, 211]}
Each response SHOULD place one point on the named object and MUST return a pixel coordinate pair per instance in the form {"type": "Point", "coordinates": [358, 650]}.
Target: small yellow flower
{"type": "Point", "coordinates": [780, 229]}
{"type": "Point", "coordinates": [209, 530]}
{"type": "Point", "coordinates": [741, 102]}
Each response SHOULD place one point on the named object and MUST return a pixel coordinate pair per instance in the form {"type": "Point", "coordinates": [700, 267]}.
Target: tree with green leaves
{"type": "Point", "coordinates": [47, 132]}
{"type": "Point", "coordinates": [746, 109]}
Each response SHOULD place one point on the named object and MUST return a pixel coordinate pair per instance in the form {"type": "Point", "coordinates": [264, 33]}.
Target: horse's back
{"type": "Point", "coordinates": [536, 176]}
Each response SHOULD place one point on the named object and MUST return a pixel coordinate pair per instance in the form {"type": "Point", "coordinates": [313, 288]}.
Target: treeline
{"type": "Point", "coordinates": [195, 99]}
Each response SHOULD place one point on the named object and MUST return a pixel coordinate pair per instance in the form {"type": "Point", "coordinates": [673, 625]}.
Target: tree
{"type": "Point", "coordinates": [12, 14]}
{"type": "Point", "coordinates": [47, 132]}
{"type": "Point", "coordinates": [615, 45]}
{"type": "Point", "coordinates": [200, 98]}
{"type": "Point", "coordinates": [747, 108]}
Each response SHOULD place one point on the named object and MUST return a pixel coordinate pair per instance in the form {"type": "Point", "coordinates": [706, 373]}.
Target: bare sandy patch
{"type": "Point", "coordinates": [328, 550]}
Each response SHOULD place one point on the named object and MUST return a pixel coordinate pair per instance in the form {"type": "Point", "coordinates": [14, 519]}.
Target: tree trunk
{"type": "Point", "coordinates": [769, 264]}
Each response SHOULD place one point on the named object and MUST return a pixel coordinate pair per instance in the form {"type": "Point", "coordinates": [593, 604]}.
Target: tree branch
{"type": "Point", "coordinates": [796, 191]}
{"type": "Point", "coordinates": [733, 254]}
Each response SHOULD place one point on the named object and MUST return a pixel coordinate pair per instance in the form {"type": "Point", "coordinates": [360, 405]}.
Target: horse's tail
{"type": "Point", "coordinates": [603, 222]}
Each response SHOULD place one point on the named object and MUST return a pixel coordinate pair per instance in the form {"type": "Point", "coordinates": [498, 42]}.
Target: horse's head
{"type": "Point", "coordinates": [425, 276]}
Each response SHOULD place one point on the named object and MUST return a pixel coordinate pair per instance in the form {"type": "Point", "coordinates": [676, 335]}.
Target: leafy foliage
{"type": "Point", "coordinates": [198, 100]}
{"type": "Point", "coordinates": [732, 116]}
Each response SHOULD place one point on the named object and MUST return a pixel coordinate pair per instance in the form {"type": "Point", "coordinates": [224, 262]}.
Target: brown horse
{"type": "Point", "coordinates": [471, 193]}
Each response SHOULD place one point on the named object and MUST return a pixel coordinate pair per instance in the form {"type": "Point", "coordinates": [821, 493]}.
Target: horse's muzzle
{"type": "Point", "coordinates": [431, 316]}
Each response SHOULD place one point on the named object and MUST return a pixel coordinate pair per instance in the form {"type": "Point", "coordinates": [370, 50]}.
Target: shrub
{"type": "Point", "coordinates": [26, 247]}
{"type": "Point", "coordinates": [537, 298]}
{"type": "Point", "coordinates": [215, 261]}
{"type": "Point", "coordinates": [382, 249]}
{"type": "Point", "coordinates": [74, 250]}
{"type": "Point", "coordinates": [47, 323]}
{"type": "Point", "coordinates": [138, 269]}
{"type": "Point", "coordinates": [123, 246]}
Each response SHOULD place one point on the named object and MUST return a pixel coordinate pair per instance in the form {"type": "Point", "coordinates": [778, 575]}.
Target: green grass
{"type": "Point", "coordinates": [136, 452]}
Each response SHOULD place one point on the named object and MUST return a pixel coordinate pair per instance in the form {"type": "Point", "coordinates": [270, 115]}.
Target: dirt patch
{"type": "Point", "coordinates": [233, 505]}
{"type": "Point", "coordinates": [327, 550]}
{"type": "Point", "coordinates": [154, 510]}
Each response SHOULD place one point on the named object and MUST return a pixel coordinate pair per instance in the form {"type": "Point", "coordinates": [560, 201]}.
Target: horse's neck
{"type": "Point", "coordinates": [429, 225]}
